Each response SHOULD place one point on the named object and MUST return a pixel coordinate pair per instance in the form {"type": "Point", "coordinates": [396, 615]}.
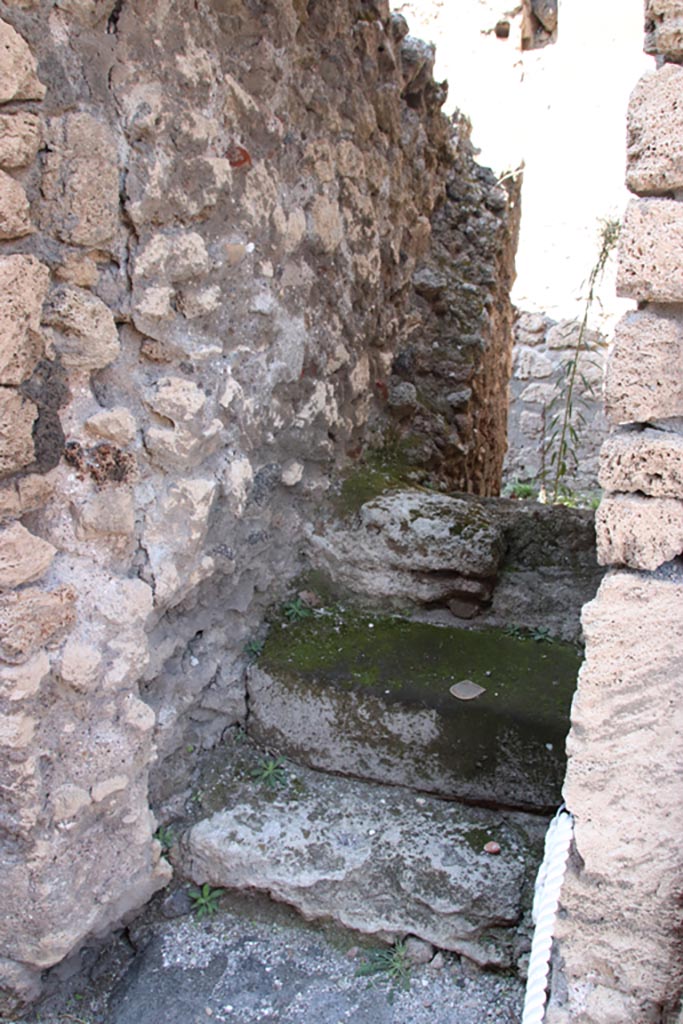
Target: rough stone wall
{"type": "Point", "coordinates": [210, 218]}
{"type": "Point", "coordinates": [620, 927]}
{"type": "Point", "coordinates": [448, 392]}
{"type": "Point", "coordinates": [542, 350]}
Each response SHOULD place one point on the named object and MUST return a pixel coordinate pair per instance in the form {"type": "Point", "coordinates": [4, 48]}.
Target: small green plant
{"type": "Point", "coordinates": [517, 489]}
{"type": "Point", "coordinates": [164, 835]}
{"type": "Point", "coordinates": [515, 631]}
{"type": "Point", "coordinates": [540, 634]}
{"type": "Point", "coordinates": [565, 409]}
{"type": "Point", "coordinates": [270, 772]}
{"type": "Point", "coordinates": [254, 648]}
{"type": "Point", "coordinates": [387, 966]}
{"type": "Point", "coordinates": [205, 900]}
{"type": "Point", "coordinates": [296, 610]}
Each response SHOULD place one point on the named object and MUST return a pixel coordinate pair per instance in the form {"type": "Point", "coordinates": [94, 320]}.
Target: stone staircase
{"type": "Point", "coordinates": [357, 795]}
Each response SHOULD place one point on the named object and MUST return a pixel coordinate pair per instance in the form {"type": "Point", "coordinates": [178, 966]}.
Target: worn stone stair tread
{"type": "Point", "coordinates": [370, 696]}
{"type": "Point", "coordinates": [382, 860]}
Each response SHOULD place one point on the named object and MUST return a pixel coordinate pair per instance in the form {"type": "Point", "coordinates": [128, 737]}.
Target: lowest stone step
{"type": "Point", "coordinates": [371, 696]}
{"type": "Point", "coordinates": [384, 861]}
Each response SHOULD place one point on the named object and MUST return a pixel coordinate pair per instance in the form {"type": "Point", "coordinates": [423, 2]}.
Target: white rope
{"type": "Point", "coordinates": [546, 899]}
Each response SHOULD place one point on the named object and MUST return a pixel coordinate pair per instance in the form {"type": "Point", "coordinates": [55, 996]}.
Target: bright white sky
{"type": "Point", "coordinates": [562, 110]}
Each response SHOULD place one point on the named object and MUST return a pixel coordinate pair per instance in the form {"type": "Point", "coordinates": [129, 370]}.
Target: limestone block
{"type": "Point", "coordinates": [664, 28]}
{"type": "Point", "coordinates": [109, 514]}
{"type": "Point", "coordinates": [117, 425]}
{"type": "Point", "coordinates": [81, 181]}
{"type": "Point", "coordinates": [139, 715]}
{"type": "Point", "coordinates": [31, 619]}
{"type": "Point", "coordinates": [101, 790]}
{"type": "Point", "coordinates": [326, 223]}
{"type": "Point", "coordinates": [195, 302]}
{"type": "Point", "coordinates": [19, 986]}
{"type": "Point", "coordinates": [644, 372]}
{"type": "Point", "coordinates": [530, 363]}
{"type": "Point", "coordinates": [18, 682]}
{"type": "Point", "coordinates": [174, 258]}
{"type": "Point", "coordinates": [68, 800]}
{"type": "Point", "coordinates": [20, 137]}
{"type": "Point", "coordinates": [15, 213]}
{"type": "Point", "coordinates": [543, 394]}
{"type": "Point", "coordinates": [18, 78]}
{"type": "Point", "coordinates": [650, 461]}
{"type": "Point", "coordinates": [83, 329]}
{"type": "Point", "coordinates": [80, 665]}
{"type": "Point", "coordinates": [16, 730]}
{"type": "Point", "coordinates": [650, 266]}
{"type": "Point", "coordinates": [655, 133]}
{"type": "Point", "coordinates": [174, 534]}
{"type": "Point", "coordinates": [23, 556]}
{"type": "Point", "coordinates": [637, 531]}
{"type": "Point", "coordinates": [34, 491]}
{"type": "Point", "coordinates": [23, 287]}
{"type": "Point", "coordinates": [621, 785]}
{"type": "Point", "coordinates": [192, 437]}
{"type": "Point", "coordinates": [566, 333]}
{"type": "Point", "coordinates": [292, 472]}
{"type": "Point", "coordinates": [17, 416]}
{"type": "Point", "coordinates": [87, 12]}
{"type": "Point", "coordinates": [78, 269]}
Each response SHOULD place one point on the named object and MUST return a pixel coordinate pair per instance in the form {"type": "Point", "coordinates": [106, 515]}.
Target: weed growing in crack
{"type": "Point", "coordinates": [254, 649]}
{"type": "Point", "coordinates": [296, 610]}
{"type": "Point", "coordinates": [270, 772]}
{"type": "Point", "coordinates": [389, 967]}
{"type": "Point", "coordinates": [205, 900]}
{"type": "Point", "coordinates": [164, 835]}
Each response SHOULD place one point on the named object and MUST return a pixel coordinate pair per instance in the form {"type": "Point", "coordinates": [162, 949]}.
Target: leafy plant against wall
{"type": "Point", "coordinates": [560, 450]}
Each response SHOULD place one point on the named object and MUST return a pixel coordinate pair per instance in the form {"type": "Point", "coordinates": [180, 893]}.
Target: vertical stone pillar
{"type": "Point", "coordinates": [619, 938]}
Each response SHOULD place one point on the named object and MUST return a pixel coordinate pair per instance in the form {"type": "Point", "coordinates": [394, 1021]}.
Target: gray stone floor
{"type": "Point", "coordinates": [258, 963]}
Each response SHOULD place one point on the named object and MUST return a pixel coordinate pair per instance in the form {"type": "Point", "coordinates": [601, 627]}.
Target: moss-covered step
{"type": "Point", "coordinates": [371, 697]}
{"type": "Point", "coordinates": [382, 860]}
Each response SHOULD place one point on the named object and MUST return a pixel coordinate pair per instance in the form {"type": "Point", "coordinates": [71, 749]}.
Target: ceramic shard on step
{"type": "Point", "coordinates": [381, 860]}
{"type": "Point", "coordinates": [381, 690]}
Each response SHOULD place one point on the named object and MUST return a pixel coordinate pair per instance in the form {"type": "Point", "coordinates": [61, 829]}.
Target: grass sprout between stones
{"type": "Point", "coordinates": [254, 649]}
{"type": "Point", "coordinates": [205, 900]}
{"type": "Point", "coordinates": [164, 835]}
{"type": "Point", "coordinates": [270, 772]}
{"type": "Point", "coordinates": [296, 610]}
{"type": "Point", "coordinates": [389, 967]}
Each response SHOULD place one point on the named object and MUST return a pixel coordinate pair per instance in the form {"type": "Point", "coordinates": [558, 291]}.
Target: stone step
{"type": "Point", "coordinates": [381, 860]}
{"type": "Point", "coordinates": [370, 696]}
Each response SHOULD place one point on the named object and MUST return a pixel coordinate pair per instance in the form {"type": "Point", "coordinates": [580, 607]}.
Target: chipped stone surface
{"type": "Point", "coordinates": [81, 181]}
{"type": "Point", "coordinates": [31, 618]}
{"type": "Point", "coordinates": [637, 531]}
{"type": "Point", "coordinates": [80, 664]}
{"type": "Point", "coordinates": [331, 851]}
{"type": "Point", "coordinates": [18, 78]}
{"type": "Point", "coordinates": [403, 537]}
{"type": "Point", "coordinates": [17, 416]}
{"type": "Point", "coordinates": [643, 378]}
{"type": "Point", "coordinates": [619, 942]}
{"type": "Point", "coordinates": [655, 127]}
{"type": "Point", "coordinates": [23, 556]}
{"type": "Point", "coordinates": [20, 137]}
{"type": "Point", "coordinates": [15, 213]}
{"type": "Point", "coordinates": [83, 328]}
{"type": "Point", "coordinates": [649, 251]}
{"type": "Point", "coordinates": [19, 682]}
{"type": "Point", "coordinates": [664, 28]}
{"type": "Point", "coordinates": [650, 461]}
{"type": "Point", "coordinates": [117, 425]}
{"type": "Point", "coordinates": [23, 287]}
